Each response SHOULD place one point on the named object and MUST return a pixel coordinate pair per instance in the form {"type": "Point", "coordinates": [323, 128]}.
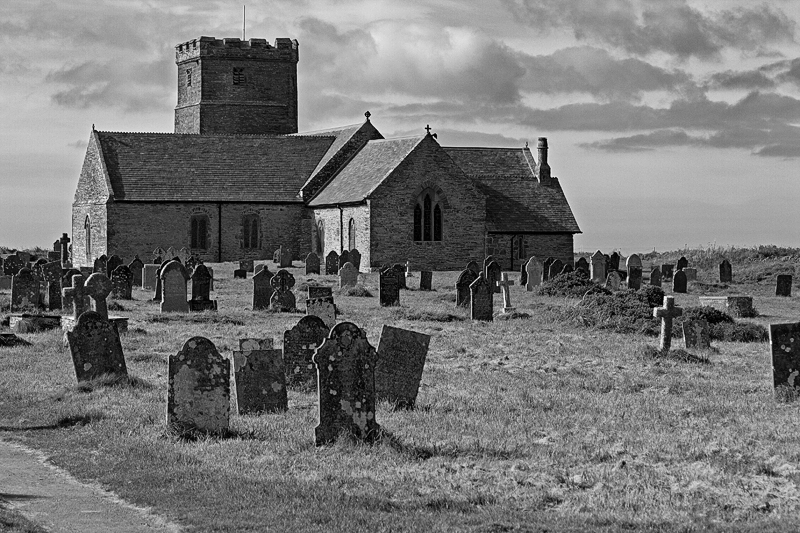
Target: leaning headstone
{"type": "Point", "coordinates": [312, 264]}
{"type": "Point", "coordinates": [201, 290]}
{"type": "Point", "coordinates": [324, 308]}
{"type": "Point", "coordinates": [598, 267]}
{"type": "Point", "coordinates": [113, 262]}
{"type": "Point", "coordinates": [582, 265]}
{"type": "Point", "coordinates": [425, 280]}
{"type": "Point", "coordinates": [299, 344]}
{"type": "Point", "coordinates": [262, 289]}
{"type": "Point", "coordinates": [481, 300]}
{"type": "Point", "coordinates": [348, 276]}
{"type": "Point", "coordinates": [137, 266]}
{"type": "Point", "coordinates": [101, 265]}
{"type": "Point", "coordinates": [493, 272]}
{"type": "Point", "coordinates": [696, 334]}
{"type": "Point", "coordinates": [655, 277]}
{"type": "Point", "coordinates": [783, 285]}
{"type": "Point", "coordinates": [666, 314]}
{"type": "Point", "coordinates": [613, 280]}
{"type": "Point", "coordinates": [465, 279]}
{"type": "Point", "coordinates": [634, 267]}
{"type": "Point", "coordinates": [282, 298]}
{"type": "Point", "coordinates": [534, 270]}
{"type": "Point", "coordinates": [248, 265]}
{"type": "Point", "coordinates": [401, 361]}
{"type": "Point", "coordinates": [174, 278]}
{"type": "Point", "coordinates": [682, 263]}
{"type": "Point", "coordinates": [546, 268]}
{"type": "Point", "coordinates": [476, 269]}
{"type": "Point", "coordinates": [286, 258]}
{"type": "Point", "coordinates": [346, 383]}
{"type": "Point", "coordinates": [725, 272]}
{"type": "Point", "coordinates": [121, 283]}
{"type": "Point", "coordinates": [260, 381]}
{"type": "Point", "coordinates": [96, 349]}
{"type": "Point", "coordinates": [51, 273]}
{"type": "Point", "coordinates": [199, 394]}
{"type": "Point", "coordinates": [355, 258]}
{"type": "Point", "coordinates": [555, 269]}
{"type": "Point", "coordinates": [388, 288]}
{"type": "Point", "coordinates": [149, 276]}
{"type": "Point", "coordinates": [332, 263]}
{"type": "Point", "coordinates": [25, 292]}
{"type": "Point", "coordinates": [98, 287]}
{"type": "Point", "coordinates": [667, 271]}
{"type": "Point", "coordinates": [679, 282]}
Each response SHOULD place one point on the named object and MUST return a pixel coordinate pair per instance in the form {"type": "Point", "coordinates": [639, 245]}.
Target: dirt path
{"type": "Point", "coordinates": [50, 497]}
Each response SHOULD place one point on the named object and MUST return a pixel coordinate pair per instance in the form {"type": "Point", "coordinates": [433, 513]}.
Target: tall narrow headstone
{"type": "Point", "coordinates": [174, 278]}
{"type": "Point", "coordinates": [486, 261]}
{"type": "Point", "coordinates": [332, 263]}
{"type": "Point", "coordinates": [615, 257]}
{"type": "Point", "coordinates": [401, 361]}
{"type": "Point", "coordinates": [534, 270]}
{"type": "Point", "coordinates": [346, 383]}
{"type": "Point", "coordinates": [96, 349]}
{"type": "Point", "coordinates": [344, 257]}
{"type": "Point", "coordinates": [262, 289]}
{"type": "Point", "coordinates": [286, 258]}
{"type": "Point", "coordinates": [355, 258]}
{"type": "Point", "coordinates": [784, 341]}
{"type": "Point", "coordinates": [348, 275]}
{"type": "Point", "coordinates": [546, 268]}
{"type": "Point", "coordinates": [523, 274]}
{"type": "Point", "coordinates": [679, 282]}
{"type": "Point", "coordinates": [312, 264]}
{"type": "Point", "coordinates": [465, 279]}
{"type": "Point", "coordinates": [121, 283]}
{"type": "Point", "coordinates": [425, 280]}
{"type": "Point", "coordinates": [201, 290]}
{"type": "Point", "coordinates": [493, 272]}
{"type": "Point", "coordinates": [51, 273]}
{"type": "Point", "coordinates": [25, 292]}
{"type": "Point", "coordinates": [149, 276]}
{"type": "Point", "coordinates": [260, 381]}
{"type": "Point", "coordinates": [725, 272]}
{"type": "Point", "coordinates": [299, 344]}
{"type": "Point", "coordinates": [634, 267]}
{"type": "Point", "coordinates": [199, 393]}
{"type": "Point", "coordinates": [481, 300]}
{"type": "Point", "coordinates": [282, 298]}
{"type": "Point", "coordinates": [655, 277]}
{"type": "Point", "coordinates": [388, 288]}
{"type": "Point", "coordinates": [137, 267]}
{"type": "Point", "coordinates": [400, 272]}
{"type": "Point", "coordinates": [783, 285]}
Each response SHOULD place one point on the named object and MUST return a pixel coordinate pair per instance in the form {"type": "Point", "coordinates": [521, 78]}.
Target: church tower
{"type": "Point", "coordinates": [234, 86]}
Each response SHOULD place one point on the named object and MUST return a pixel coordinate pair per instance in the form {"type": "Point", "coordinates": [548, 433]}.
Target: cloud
{"type": "Point", "coordinates": [79, 144]}
{"type": "Point", "coordinates": [646, 26]}
{"type": "Point", "coordinates": [751, 79]}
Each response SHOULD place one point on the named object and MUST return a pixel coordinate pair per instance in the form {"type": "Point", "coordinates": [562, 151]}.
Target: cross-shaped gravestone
{"type": "Point", "coordinates": [77, 295]}
{"type": "Point", "coordinates": [505, 286]}
{"type": "Point", "coordinates": [98, 287]}
{"type": "Point", "coordinates": [666, 314]}
{"type": "Point", "coordinates": [64, 242]}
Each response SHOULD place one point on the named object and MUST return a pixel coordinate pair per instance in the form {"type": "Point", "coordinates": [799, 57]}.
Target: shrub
{"type": "Point", "coordinates": [570, 284]}
{"type": "Point", "coordinates": [653, 295]}
{"type": "Point", "coordinates": [358, 291]}
{"type": "Point", "coordinates": [707, 313]}
{"type": "Point", "coordinates": [739, 332]}
{"type": "Point", "coordinates": [623, 311]}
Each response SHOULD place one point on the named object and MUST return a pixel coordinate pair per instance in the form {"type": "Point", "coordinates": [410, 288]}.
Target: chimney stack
{"type": "Point", "coordinates": [544, 168]}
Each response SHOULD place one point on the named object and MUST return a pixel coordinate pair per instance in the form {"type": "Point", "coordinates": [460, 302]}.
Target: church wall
{"type": "Point", "coordinates": [280, 225]}
{"type": "Point", "coordinates": [392, 213]}
{"type": "Point", "coordinates": [97, 218]}
{"type": "Point", "coordinates": [337, 226]}
{"type": "Point", "coordinates": [557, 246]}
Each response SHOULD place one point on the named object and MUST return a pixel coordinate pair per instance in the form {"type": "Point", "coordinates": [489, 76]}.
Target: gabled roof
{"type": "Point", "coordinates": [492, 161]}
{"type": "Point", "coordinates": [210, 168]}
{"type": "Point", "coordinates": [340, 136]}
{"type": "Point", "coordinates": [370, 166]}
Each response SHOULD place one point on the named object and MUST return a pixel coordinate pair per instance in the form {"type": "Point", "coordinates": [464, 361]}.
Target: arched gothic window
{"type": "Point", "coordinates": [519, 247]}
{"type": "Point", "coordinates": [250, 225]}
{"type": "Point", "coordinates": [351, 235]}
{"type": "Point", "coordinates": [199, 230]}
{"type": "Point", "coordinates": [87, 228]}
{"type": "Point", "coordinates": [320, 238]}
{"type": "Point", "coordinates": [428, 217]}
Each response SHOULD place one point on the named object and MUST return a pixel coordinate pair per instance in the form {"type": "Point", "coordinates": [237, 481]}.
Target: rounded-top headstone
{"type": "Point", "coordinates": [98, 285]}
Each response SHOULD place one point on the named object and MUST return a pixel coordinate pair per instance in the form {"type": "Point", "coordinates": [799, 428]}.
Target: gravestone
{"type": "Point", "coordinates": [98, 287]}
{"type": "Point", "coordinates": [634, 267]}
{"type": "Point", "coordinates": [348, 276]}
{"type": "Point", "coordinates": [248, 265]}
{"type": "Point", "coordinates": [568, 269]}
{"type": "Point", "coordinates": [597, 267]}
{"type": "Point", "coordinates": [25, 257]}
{"type": "Point", "coordinates": [682, 263]}
{"type": "Point", "coordinates": [137, 266]}
{"type": "Point", "coordinates": [64, 248]}
{"type": "Point", "coordinates": [425, 280]}
{"type": "Point", "coordinates": [344, 257]}
{"type": "Point", "coordinates": [388, 288]}
{"type": "Point", "coordinates": [493, 272]}
{"type": "Point", "coordinates": [51, 273]}
{"type": "Point", "coordinates": [13, 264]}
{"type": "Point", "coordinates": [465, 279]}
{"type": "Point", "coordinates": [481, 300]}
{"type": "Point", "coordinates": [172, 253]}
{"type": "Point", "coordinates": [201, 290]}
{"type": "Point", "coordinates": [666, 314]}
{"type": "Point", "coordinates": [286, 258]}
{"type": "Point", "coordinates": [312, 264]}
{"type": "Point", "coordinates": [486, 261]}
{"type": "Point", "coordinates": [113, 262]}
{"type": "Point", "coordinates": [332, 263]}
{"type": "Point", "coordinates": [784, 341]}
{"type": "Point", "coordinates": [345, 364]}
{"type": "Point", "coordinates": [475, 268]}
{"type": "Point", "coordinates": [5, 283]}
{"type": "Point", "coordinates": [691, 273]}
{"type": "Point", "coordinates": [534, 270]}
{"type": "Point", "coordinates": [736, 306]}
{"type": "Point", "coordinates": [696, 334]}
{"type": "Point", "coordinates": [401, 361]}
{"type": "Point", "coordinates": [276, 256]}
{"type": "Point", "coordinates": [613, 280]}
{"type": "Point", "coordinates": [324, 308]}
{"type": "Point", "coordinates": [667, 271]}
{"type": "Point", "coordinates": [523, 274]}
{"type": "Point", "coordinates": [783, 285]}
{"type": "Point", "coordinates": [173, 288]}
{"type": "Point", "coordinates": [199, 395]}
{"type": "Point", "coordinates": [25, 291]}
{"type": "Point", "coordinates": [96, 349]}
{"type": "Point", "coordinates": [149, 276]}
{"type": "Point", "coordinates": [101, 265]}
{"type": "Point", "coordinates": [555, 269]}
{"type": "Point", "coordinates": [725, 272]}
{"type": "Point", "coordinates": [400, 272]}
{"type": "Point", "coordinates": [185, 255]}
{"type": "Point", "coordinates": [262, 289]}
{"type": "Point", "coordinates": [614, 261]}
{"type": "Point", "coordinates": [355, 258]}
{"type": "Point", "coordinates": [240, 273]}
{"type": "Point", "coordinates": [655, 277]}
{"type": "Point", "coordinates": [282, 298]}
{"type": "Point", "coordinates": [191, 262]}
{"type": "Point", "coordinates": [121, 283]}
{"type": "Point", "coordinates": [679, 282]}
{"type": "Point", "coordinates": [505, 287]}
{"type": "Point", "coordinates": [320, 291]}
{"type": "Point", "coordinates": [299, 344]}
{"type": "Point", "coordinates": [260, 381]}
{"type": "Point", "coordinates": [259, 267]}
{"type": "Point", "coordinates": [158, 255]}
{"type": "Point", "coordinates": [546, 268]}
{"type": "Point", "coordinates": [582, 265]}
{"type": "Point", "coordinates": [75, 296]}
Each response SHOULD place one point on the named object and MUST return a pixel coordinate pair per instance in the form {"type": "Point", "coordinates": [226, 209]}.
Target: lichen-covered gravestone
{"type": "Point", "coordinates": [355, 258]}
{"type": "Point", "coordinates": [262, 290]}
{"type": "Point", "coordinates": [260, 380]}
{"type": "Point", "coordinates": [136, 266]}
{"type": "Point", "coordinates": [332, 263]}
{"type": "Point", "coordinates": [388, 288]}
{"type": "Point", "coordinates": [493, 272]}
{"type": "Point", "coordinates": [282, 298]}
{"type": "Point", "coordinates": [299, 344]}
{"type": "Point", "coordinates": [465, 279]}
{"type": "Point", "coordinates": [173, 288]}
{"type": "Point", "coordinates": [613, 280]}
{"type": "Point", "coordinates": [534, 270]}
{"type": "Point", "coordinates": [597, 267]}
{"type": "Point", "coordinates": [51, 272]}
{"type": "Point", "coordinates": [481, 300]}
{"type": "Point", "coordinates": [655, 277]}
{"type": "Point", "coordinates": [348, 275]}
{"type": "Point", "coordinates": [199, 395]}
{"type": "Point", "coordinates": [679, 282]}
{"type": "Point", "coordinates": [784, 341]}
{"type": "Point", "coordinates": [121, 283]}
{"type": "Point", "coordinates": [783, 285]}
{"type": "Point", "coordinates": [634, 267]}
{"type": "Point", "coordinates": [201, 290]}
{"type": "Point", "coordinates": [401, 360]}
{"type": "Point", "coordinates": [696, 334]}
{"type": "Point", "coordinates": [312, 264]}
{"type": "Point", "coordinates": [346, 370]}
{"type": "Point", "coordinates": [425, 280]}
{"type": "Point", "coordinates": [13, 264]}
{"type": "Point", "coordinates": [96, 349]}
{"type": "Point", "coordinates": [324, 308]}
{"type": "Point", "coordinates": [25, 295]}
{"type": "Point", "coordinates": [725, 272]}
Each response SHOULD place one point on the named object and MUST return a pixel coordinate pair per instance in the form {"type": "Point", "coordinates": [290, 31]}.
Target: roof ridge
{"type": "Point", "coordinates": [483, 148]}
{"type": "Point", "coordinates": [218, 135]}
{"type": "Point", "coordinates": [327, 130]}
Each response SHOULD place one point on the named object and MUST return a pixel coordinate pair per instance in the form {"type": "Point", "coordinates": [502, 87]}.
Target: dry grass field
{"type": "Point", "coordinates": [537, 423]}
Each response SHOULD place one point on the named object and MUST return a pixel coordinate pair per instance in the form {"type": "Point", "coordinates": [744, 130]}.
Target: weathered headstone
{"type": "Point", "coordinates": [282, 298]}
{"type": "Point", "coordinates": [344, 257]}
{"type": "Point", "coordinates": [783, 285]}
{"type": "Point", "coordinates": [25, 257]}
{"type": "Point", "coordinates": [25, 291]}
{"type": "Point", "coordinates": [634, 267]}
{"type": "Point", "coordinates": [74, 296]}
{"type": "Point", "coordinates": [260, 381]}
{"type": "Point", "coordinates": [262, 289]}
{"type": "Point", "coordinates": [240, 273]}
{"type": "Point", "coordinates": [388, 288]}
{"type": "Point", "coordinates": [598, 267]}
{"type": "Point", "coordinates": [312, 264]}
{"type": "Point", "coordinates": [505, 286]}
{"type": "Point", "coordinates": [355, 258]}
{"type": "Point", "coordinates": [51, 273]}
{"type": "Point", "coordinates": [96, 349]}
{"type": "Point", "coordinates": [348, 276]}
{"type": "Point", "coordinates": [682, 263]}
{"type": "Point", "coordinates": [137, 267]}
{"type": "Point", "coordinates": [679, 282]}
{"type": "Point", "coordinates": [475, 268]}
{"type": "Point", "coordinates": [546, 268]}
{"type": "Point", "coordinates": [614, 257]}
{"type": "Point", "coordinates": [98, 287]}
{"type": "Point", "coordinates": [400, 272]}
{"type": "Point", "coordinates": [286, 258]}
{"type": "Point", "coordinates": [13, 264]}
{"type": "Point", "coordinates": [64, 248]}
{"type": "Point", "coordinates": [481, 300]}
{"type": "Point", "coordinates": [276, 256]}
{"type": "Point", "coordinates": [323, 308]}
{"type": "Point", "coordinates": [191, 262]}
{"type": "Point", "coordinates": [248, 265]}
{"type": "Point", "coordinates": [158, 255]}
{"type": "Point", "coordinates": [613, 280]}
{"type": "Point", "coordinates": [172, 253]}
{"type": "Point", "coordinates": [655, 277]}
{"type": "Point", "coordinates": [568, 269]}
{"type": "Point", "coordinates": [696, 334]}
{"type": "Point", "coordinates": [582, 265]}
{"type": "Point", "coordinates": [425, 280]}
{"type": "Point", "coordinates": [401, 361]}
{"type": "Point", "coordinates": [785, 346]}
{"type": "Point", "coordinates": [113, 262]}
{"type": "Point", "coordinates": [725, 272]}
{"type": "Point", "coordinates": [185, 255]}
{"type": "Point", "coordinates": [149, 276]}
{"type": "Point", "coordinates": [101, 265]}
{"type": "Point", "coordinates": [486, 261]}
{"type": "Point", "coordinates": [319, 291]}
{"type": "Point", "coordinates": [667, 271]}
{"type": "Point", "coordinates": [555, 269]}
{"type": "Point", "coordinates": [465, 279]}
{"type": "Point", "coordinates": [121, 283]}
{"type": "Point", "coordinates": [534, 270]}
{"type": "Point", "coordinates": [299, 344]}
{"type": "Point", "coordinates": [174, 278]}
{"type": "Point", "coordinates": [332, 263]}
{"type": "Point", "coordinates": [523, 274]}
{"type": "Point", "coordinates": [493, 272]}
{"type": "Point", "coordinates": [201, 290]}
{"type": "Point", "coordinates": [5, 283]}
{"type": "Point", "coordinates": [666, 314]}
{"type": "Point", "coordinates": [345, 364]}
{"type": "Point", "coordinates": [199, 392]}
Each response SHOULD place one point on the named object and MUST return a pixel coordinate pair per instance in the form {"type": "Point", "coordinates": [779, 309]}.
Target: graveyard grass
{"type": "Point", "coordinates": [528, 424]}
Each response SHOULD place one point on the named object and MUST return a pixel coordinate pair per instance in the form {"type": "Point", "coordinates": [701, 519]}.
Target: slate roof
{"type": "Point", "coordinates": [515, 200]}
{"type": "Point", "coordinates": [210, 168]}
{"type": "Point", "coordinates": [340, 135]}
{"type": "Point", "coordinates": [362, 174]}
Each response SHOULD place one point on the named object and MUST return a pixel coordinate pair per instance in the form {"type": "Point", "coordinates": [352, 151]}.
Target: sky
{"type": "Point", "coordinates": [671, 123]}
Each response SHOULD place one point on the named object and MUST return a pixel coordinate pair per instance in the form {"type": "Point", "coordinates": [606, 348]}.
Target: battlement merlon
{"type": "Point", "coordinates": [283, 49]}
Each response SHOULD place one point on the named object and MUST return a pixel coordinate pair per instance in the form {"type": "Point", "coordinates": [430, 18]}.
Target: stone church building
{"type": "Point", "coordinates": [236, 180]}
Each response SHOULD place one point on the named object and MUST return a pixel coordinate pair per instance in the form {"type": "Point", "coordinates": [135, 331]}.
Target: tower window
{"type": "Point", "coordinates": [238, 75]}
{"type": "Point", "coordinates": [188, 77]}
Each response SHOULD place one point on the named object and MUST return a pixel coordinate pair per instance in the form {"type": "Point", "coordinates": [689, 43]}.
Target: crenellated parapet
{"type": "Point", "coordinates": [283, 49]}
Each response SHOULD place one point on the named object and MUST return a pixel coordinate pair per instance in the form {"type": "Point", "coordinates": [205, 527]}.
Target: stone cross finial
{"type": "Point", "coordinates": [367, 114]}
{"type": "Point", "coordinates": [77, 292]}
{"type": "Point", "coordinates": [98, 287]}
{"type": "Point", "coordinates": [64, 240]}
{"type": "Point", "coordinates": [505, 285]}
{"type": "Point", "coordinates": [428, 129]}
{"type": "Point", "coordinates": [666, 314]}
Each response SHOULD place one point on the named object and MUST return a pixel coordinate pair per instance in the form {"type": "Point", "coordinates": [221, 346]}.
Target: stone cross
{"type": "Point", "coordinates": [666, 314]}
{"type": "Point", "coordinates": [505, 285]}
{"type": "Point", "coordinates": [64, 241]}
{"type": "Point", "coordinates": [77, 293]}
{"type": "Point", "coordinates": [98, 287]}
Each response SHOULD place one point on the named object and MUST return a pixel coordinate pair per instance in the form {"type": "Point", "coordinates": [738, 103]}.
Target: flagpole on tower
{"type": "Point", "coordinates": [244, 20]}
